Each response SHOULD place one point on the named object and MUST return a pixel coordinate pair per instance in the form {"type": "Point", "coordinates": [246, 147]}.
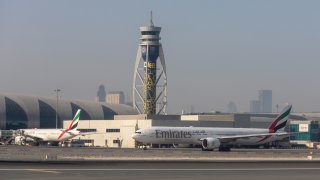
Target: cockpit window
{"type": "Point", "coordinates": [138, 132]}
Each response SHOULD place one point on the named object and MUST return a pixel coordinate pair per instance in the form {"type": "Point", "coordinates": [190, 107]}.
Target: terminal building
{"type": "Point", "coordinates": [20, 111]}
{"type": "Point", "coordinates": [308, 132]}
{"type": "Point", "coordinates": [115, 123]}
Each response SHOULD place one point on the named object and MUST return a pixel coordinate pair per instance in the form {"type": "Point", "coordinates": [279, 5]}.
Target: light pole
{"type": "Point", "coordinates": [57, 91]}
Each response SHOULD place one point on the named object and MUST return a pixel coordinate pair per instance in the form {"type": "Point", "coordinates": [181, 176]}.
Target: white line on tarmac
{"type": "Point", "coordinates": [44, 171]}
{"type": "Point", "coordinates": [217, 169]}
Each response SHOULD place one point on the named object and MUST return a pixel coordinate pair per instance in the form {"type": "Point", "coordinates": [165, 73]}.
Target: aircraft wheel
{"type": "Point", "coordinates": [203, 149]}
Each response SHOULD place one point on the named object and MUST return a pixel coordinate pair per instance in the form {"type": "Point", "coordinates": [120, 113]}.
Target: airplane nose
{"type": "Point", "coordinates": [134, 136]}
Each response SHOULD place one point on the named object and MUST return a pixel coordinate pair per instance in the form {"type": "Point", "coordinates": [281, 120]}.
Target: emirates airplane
{"type": "Point", "coordinates": [211, 138]}
{"type": "Point", "coordinates": [49, 135]}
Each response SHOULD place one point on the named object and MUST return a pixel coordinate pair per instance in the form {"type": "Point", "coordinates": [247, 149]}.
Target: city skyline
{"type": "Point", "coordinates": [263, 104]}
{"type": "Point", "coordinates": [215, 51]}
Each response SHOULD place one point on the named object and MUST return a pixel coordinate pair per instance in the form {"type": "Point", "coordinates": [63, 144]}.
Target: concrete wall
{"type": "Point", "coordinates": [242, 121]}
{"type": "Point", "coordinates": [106, 139]}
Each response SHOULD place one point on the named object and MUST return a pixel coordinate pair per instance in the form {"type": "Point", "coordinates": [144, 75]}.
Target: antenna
{"type": "Point", "coordinates": [151, 22]}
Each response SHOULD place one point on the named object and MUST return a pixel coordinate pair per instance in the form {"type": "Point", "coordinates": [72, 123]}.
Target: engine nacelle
{"type": "Point", "coordinates": [20, 140]}
{"type": "Point", "coordinates": [210, 143]}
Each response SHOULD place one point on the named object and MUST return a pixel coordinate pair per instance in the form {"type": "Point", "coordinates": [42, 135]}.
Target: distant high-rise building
{"type": "Point", "coordinates": [115, 97]}
{"type": "Point", "coordinates": [192, 109]}
{"type": "Point", "coordinates": [265, 98]}
{"type": "Point", "coordinates": [232, 107]}
{"type": "Point", "coordinates": [101, 94]}
{"type": "Point", "coordinates": [255, 106]}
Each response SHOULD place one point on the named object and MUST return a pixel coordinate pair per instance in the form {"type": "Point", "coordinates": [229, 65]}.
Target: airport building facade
{"type": "Point", "coordinates": [305, 132]}
{"type": "Point", "coordinates": [114, 124]}
{"type": "Point", "coordinates": [19, 111]}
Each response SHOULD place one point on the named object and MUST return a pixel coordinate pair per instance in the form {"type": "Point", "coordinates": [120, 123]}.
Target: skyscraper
{"type": "Point", "coordinates": [232, 107]}
{"type": "Point", "coordinates": [101, 94]}
{"type": "Point", "coordinates": [255, 106]}
{"type": "Point", "coordinates": [150, 76]}
{"type": "Point", "coordinates": [115, 97]}
{"type": "Point", "coordinates": [265, 99]}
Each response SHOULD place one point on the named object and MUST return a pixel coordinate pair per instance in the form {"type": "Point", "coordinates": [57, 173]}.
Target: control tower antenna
{"type": "Point", "coordinates": [151, 22]}
{"type": "Point", "coordinates": [149, 89]}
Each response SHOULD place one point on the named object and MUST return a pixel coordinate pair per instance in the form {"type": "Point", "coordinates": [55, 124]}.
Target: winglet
{"type": "Point", "coordinates": [281, 120]}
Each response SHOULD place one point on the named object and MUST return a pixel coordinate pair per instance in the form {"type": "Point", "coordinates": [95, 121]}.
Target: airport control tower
{"type": "Point", "coordinates": [150, 76]}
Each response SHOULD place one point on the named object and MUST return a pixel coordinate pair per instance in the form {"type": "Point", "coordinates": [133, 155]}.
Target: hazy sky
{"type": "Point", "coordinates": [215, 51]}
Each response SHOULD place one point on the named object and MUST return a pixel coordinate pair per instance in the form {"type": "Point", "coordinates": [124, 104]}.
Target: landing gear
{"type": "Point", "coordinates": [221, 149]}
{"type": "Point", "coordinates": [224, 149]}
{"type": "Point", "coordinates": [34, 143]}
{"type": "Point", "coordinates": [145, 147]}
{"type": "Point", "coordinates": [41, 143]}
{"type": "Point", "coordinates": [203, 149]}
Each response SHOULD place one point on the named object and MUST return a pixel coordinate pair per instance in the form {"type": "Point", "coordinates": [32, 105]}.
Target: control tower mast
{"type": "Point", "coordinates": [150, 76]}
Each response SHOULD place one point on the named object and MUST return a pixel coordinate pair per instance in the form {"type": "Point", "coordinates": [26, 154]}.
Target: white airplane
{"type": "Point", "coordinates": [49, 135]}
{"type": "Point", "coordinates": [215, 138]}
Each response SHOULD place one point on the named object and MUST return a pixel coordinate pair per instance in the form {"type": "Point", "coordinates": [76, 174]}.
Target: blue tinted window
{"type": "Point", "coordinates": [16, 116]}
{"type": "Point", "coordinates": [108, 113]}
{"type": "Point", "coordinates": [48, 116]}
{"type": "Point", "coordinates": [83, 114]}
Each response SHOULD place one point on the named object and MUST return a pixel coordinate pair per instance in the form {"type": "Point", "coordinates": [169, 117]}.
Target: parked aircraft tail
{"type": "Point", "coordinates": [73, 125]}
{"type": "Point", "coordinates": [281, 120]}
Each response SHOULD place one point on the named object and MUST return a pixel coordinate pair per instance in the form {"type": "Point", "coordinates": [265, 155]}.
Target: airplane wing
{"type": "Point", "coordinates": [89, 133]}
{"type": "Point", "coordinates": [228, 139]}
{"type": "Point", "coordinates": [35, 138]}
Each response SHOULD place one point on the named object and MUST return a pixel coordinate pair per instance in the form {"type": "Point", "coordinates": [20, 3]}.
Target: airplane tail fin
{"type": "Point", "coordinates": [281, 120]}
{"type": "Point", "coordinates": [75, 121]}
{"type": "Point", "coordinates": [73, 125]}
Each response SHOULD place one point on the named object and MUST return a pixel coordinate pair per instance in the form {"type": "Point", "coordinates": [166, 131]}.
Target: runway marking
{"type": "Point", "coordinates": [216, 169]}
{"type": "Point", "coordinates": [44, 171]}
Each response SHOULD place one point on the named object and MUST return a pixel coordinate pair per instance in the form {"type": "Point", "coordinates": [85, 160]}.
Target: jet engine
{"type": "Point", "coordinates": [20, 140]}
{"type": "Point", "coordinates": [210, 143]}
{"type": "Point", "coordinates": [23, 140]}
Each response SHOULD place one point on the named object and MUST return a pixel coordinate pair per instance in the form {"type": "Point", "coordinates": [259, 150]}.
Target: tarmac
{"type": "Point", "coordinates": [51, 163]}
{"type": "Point", "coordinates": [160, 170]}
{"type": "Point", "coordinates": [65, 154]}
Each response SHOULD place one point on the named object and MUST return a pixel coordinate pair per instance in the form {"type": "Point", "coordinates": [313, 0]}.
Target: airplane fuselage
{"type": "Point", "coordinates": [193, 135]}
{"type": "Point", "coordinates": [49, 134]}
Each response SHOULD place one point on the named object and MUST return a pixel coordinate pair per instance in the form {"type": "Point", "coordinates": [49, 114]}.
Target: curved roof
{"type": "Point", "coordinates": [41, 109]}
